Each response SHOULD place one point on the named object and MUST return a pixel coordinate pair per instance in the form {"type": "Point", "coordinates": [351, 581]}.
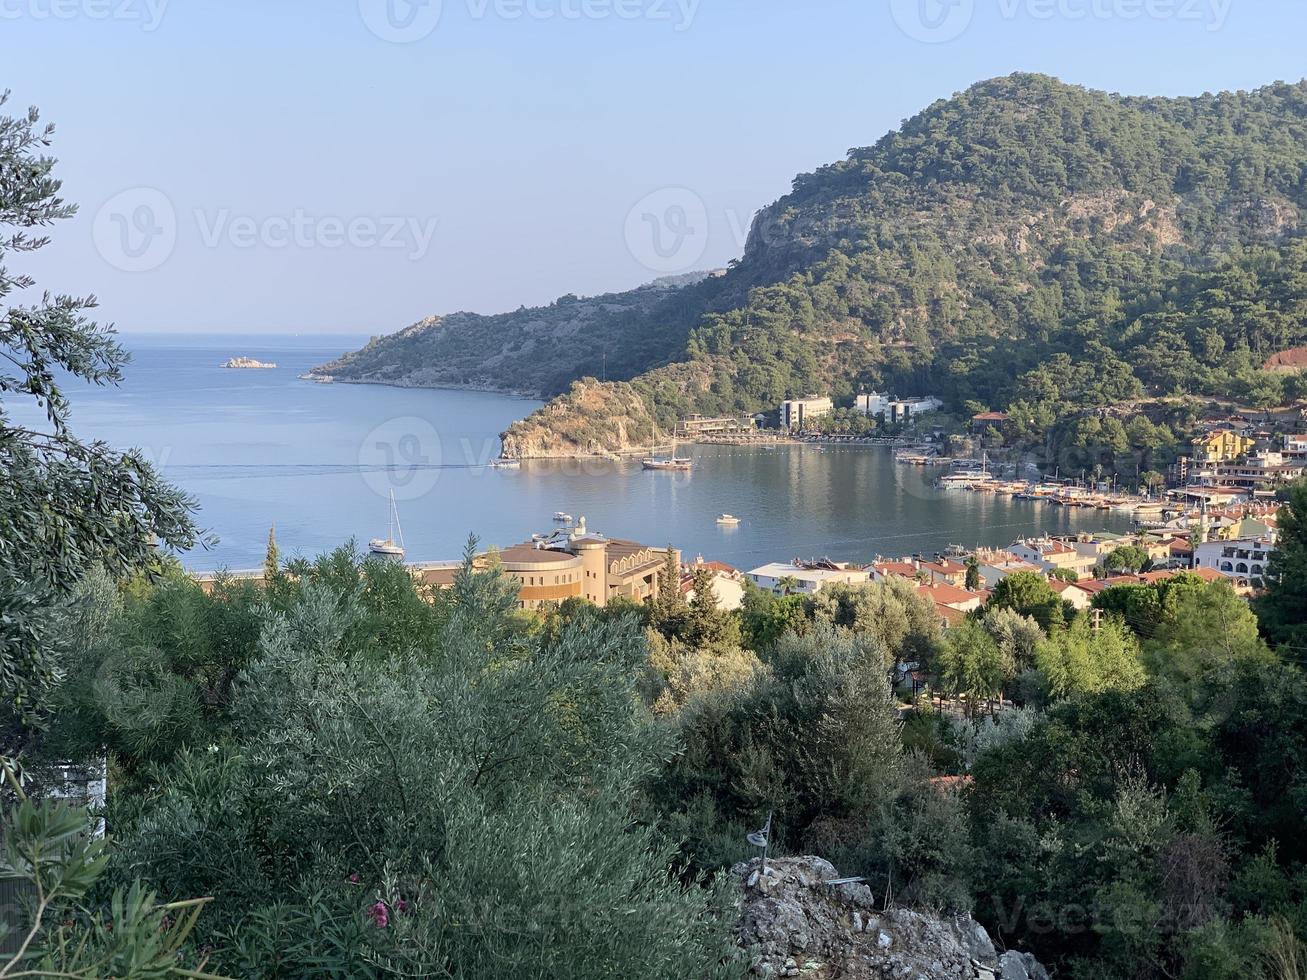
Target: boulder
{"type": "Point", "coordinates": [793, 924]}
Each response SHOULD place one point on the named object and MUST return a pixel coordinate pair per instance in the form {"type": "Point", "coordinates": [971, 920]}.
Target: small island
{"type": "Point", "coordinates": [247, 363]}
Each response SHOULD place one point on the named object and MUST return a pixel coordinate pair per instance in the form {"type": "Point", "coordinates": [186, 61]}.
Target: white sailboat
{"type": "Point", "coordinates": [388, 547]}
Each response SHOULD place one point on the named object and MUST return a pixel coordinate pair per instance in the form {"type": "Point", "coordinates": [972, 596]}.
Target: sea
{"type": "Point", "coordinates": [263, 448]}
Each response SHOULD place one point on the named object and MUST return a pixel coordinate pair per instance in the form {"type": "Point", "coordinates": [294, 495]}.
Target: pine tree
{"type": "Point", "coordinates": [973, 574]}
{"type": "Point", "coordinates": [272, 559]}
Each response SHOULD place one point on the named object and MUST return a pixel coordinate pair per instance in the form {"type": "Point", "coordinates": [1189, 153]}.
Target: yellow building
{"type": "Point", "coordinates": [1222, 444]}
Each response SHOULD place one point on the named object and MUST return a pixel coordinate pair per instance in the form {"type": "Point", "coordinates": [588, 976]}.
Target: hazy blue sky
{"type": "Point", "coordinates": [354, 165]}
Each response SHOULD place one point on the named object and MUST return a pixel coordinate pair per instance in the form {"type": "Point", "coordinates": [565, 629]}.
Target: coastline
{"type": "Point", "coordinates": [484, 388]}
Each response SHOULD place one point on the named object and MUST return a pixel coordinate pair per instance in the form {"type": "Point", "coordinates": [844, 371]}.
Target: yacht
{"type": "Point", "coordinates": [388, 547]}
{"type": "Point", "coordinates": [728, 519]}
{"type": "Point", "coordinates": [562, 518]}
{"type": "Point", "coordinates": [505, 463]}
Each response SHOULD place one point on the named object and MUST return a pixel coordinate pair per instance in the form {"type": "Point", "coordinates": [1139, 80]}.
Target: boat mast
{"type": "Point", "coordinates": [394, 521]}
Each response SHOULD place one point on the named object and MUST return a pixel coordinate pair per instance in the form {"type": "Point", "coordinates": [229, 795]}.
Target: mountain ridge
{"type": "Point", "coordinates": [1019, 220]}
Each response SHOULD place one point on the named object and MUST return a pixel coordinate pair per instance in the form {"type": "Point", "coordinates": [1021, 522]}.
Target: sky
{"type": "Point", "coordinates": [351, 166]}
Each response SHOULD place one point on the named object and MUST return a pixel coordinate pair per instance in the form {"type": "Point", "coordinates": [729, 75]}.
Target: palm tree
{"type": "Point", "coordinates": [788, 584]}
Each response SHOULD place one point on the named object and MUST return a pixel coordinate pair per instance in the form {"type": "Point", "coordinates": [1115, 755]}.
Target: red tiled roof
{"type": "Point", "coordinates": [948, 595]}
{"type": "Point", "coordinates": [1059, 586]}
{"type": "Point", "coordinates": [946, 566]}
{"type": "Point", "coordinates": [900, 568]}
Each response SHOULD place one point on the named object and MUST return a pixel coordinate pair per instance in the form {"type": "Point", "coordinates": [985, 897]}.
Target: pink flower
{"type": "Point", "coordinates": [401, 906]}
{"type": "Point", "coordinates": [380, 915]}
{"type": "Point", "coordinates": [354, 878]}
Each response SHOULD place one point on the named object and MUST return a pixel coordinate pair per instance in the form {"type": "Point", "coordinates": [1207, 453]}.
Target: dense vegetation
{"type": "Point", "coordinates": [1025, 243]}
{"type": "Point", "coordinates": [343, 774]}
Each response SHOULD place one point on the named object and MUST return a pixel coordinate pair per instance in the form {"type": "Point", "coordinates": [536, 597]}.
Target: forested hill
{"type": "Point", "coordinates": [536, 350]}
{"type": "Point", "coordinates": [1019, 220]}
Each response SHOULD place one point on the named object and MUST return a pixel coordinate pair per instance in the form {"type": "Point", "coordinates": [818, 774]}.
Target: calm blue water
{"type": "Point", "coordinates": [259, 448]}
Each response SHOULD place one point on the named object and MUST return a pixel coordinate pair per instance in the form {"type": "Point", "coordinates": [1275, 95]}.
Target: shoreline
{"type": "Point", "coordinates": [484, 389]}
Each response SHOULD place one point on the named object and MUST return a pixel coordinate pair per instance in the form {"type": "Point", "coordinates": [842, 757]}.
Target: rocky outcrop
{"type": "Point", "coordinates": [592, 418]}
{"type": "Point", "coordinates": [793, 924]}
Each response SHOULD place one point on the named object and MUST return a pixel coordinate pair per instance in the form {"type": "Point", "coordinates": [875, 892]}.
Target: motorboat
{"type": "Point", "coordinates": [728, 519]}
{"type": "Point", "coordinates": [562, 518]}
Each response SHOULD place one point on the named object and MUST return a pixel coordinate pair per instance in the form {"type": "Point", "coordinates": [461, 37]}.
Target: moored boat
{"type": "Point", "coordinates": [389, 547]}
{"type": "Point", "coordinates": [670, 462]}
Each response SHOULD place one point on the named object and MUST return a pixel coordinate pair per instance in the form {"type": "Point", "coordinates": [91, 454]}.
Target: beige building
{"type": "Point", "coordinates": [572, 564]}
{"type": "Point", "coordinates": [1051, 554]}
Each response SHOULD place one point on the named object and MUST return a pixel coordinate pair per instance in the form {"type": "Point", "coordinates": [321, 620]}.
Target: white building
{"type": "Point", "coordinates": [795, 412]}
{"type": "Point", "coordinates": [1245, 561]}
{"type": "Point", "coordinates": [873, 404]}
{"type": "Point", "coordinates": [727, 583]}
{"type": "Point", "coordinates": [809, 579]}
{"type": "Point", "coordinates": [994, 570]}
{"type": "Point", "coordinates": [897, 409]}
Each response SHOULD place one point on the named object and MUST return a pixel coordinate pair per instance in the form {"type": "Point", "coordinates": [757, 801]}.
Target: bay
{"type": "Point", "coordinates": [259, 448]}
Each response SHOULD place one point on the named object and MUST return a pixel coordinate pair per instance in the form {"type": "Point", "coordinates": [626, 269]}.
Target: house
{"type": "Point", "coordinates": [1052, 554]}
{"type": "Point", "coordinates": [947, 570]}
{"type": "Point", "coordinates": [984, 421]}
{"type": "Point", "coordinates": [809, 578]}
{"type": "Point", "coordinates": [994, 570]}
{"type": "Point", "coordinates": [797, 412]}
{"type": "Point", "coordinates": [882, 570]}
{"type": "Point", "coordinates": [952, 597]}
{"type": "Point", "coordinates": [727, 582]}
{"type": "Point", "coordinates": [1245, 561]}
{"type": "Point", "coordinates": [1073, 592]}
{"type": "Point", "coordinates": [1220, 445]}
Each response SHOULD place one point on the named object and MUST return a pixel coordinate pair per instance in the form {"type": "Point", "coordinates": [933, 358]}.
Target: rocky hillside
{"type": "Point", "coordinates": [793, 925]}
{"type": "Point", "coordinates": [536, 351]}
{"type": "Point", "coordinates": [592, 417]}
